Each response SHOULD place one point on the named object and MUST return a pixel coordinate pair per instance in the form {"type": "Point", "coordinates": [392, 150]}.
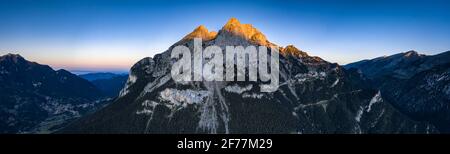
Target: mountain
{"type": "Point", "coordinates": [416, 84]}
{"type": "Point", "coordinates": [402, 65]}
{"type": "Point", "coordinates": [109, 84]}
{"type": "Point", "coordinates": [314, 96]}
{"type": "Point", "coordinates": [34, 96]}
{"type": "Point", "coordinates": [100, 75]}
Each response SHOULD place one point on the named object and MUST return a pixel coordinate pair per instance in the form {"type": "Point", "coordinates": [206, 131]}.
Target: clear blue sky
{"type": "Point", "coordinates": [113, 35]}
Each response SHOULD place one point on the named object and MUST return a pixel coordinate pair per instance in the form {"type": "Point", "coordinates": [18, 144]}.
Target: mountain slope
{"type": "Point", "coordinates": [314, 96]}
{"type": "Point", "coordinates": [97, 76]}
{"type": "Point", "coordinates": [31, 93]}
{"type": "Point", "coordinates": [402, 65]}
{"type": "Point", "coordinates": [111, 86]}
{"type": "Point", "coordinates": [416, 84]}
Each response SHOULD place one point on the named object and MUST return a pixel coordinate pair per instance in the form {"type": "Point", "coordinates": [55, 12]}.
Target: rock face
{"type": "Point", "coordinates": [234, 28]}
{"type": "Point", "coordinates": [36, 98]}
{"type": "Point", "coordinates": [314, 96]}
{"type": "Point", "coordinates": [416, 84]}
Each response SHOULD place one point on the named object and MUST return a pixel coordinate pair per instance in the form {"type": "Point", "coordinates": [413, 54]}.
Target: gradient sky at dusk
{"type": "Point", "coordinates": [113, 35]}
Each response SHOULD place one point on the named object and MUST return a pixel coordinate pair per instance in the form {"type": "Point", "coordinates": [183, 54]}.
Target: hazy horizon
{"type": "Point", "coordinates": [110, 36]}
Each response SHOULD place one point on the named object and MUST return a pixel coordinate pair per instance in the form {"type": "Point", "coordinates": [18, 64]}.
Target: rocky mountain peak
{"type": "Point", "coordinates": [292, 50]}
{"type": "Point", "coordinates": [12, 57]}
{"type": "Point", "coordinates": [233, 21]}
{"type": "Point", "coordinates": [201, 32]}
{"type": "Point", "coordinates": [247, 32]}
{"type": "Point", "coordinates": [411, 53]}
{"type": "Point", "coordinates": [235, 33]}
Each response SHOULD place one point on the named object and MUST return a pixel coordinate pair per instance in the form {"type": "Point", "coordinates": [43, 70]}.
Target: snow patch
{"type": "Point", "coordinates": [253, 95]}
{"type": "Point", "coordinates": [156, 84]}
{"type": "Point", "coordinates": [335, 83]}
{"type": "Point", "coordinates": [144, 111]}
{"type": "Point", "coordinates": [183, 97]}
{"type": "Point", "coordinates": [148, 107]}
{"type": "Point", "coordinates": [311, 75]}
{"type": "Point", "coordinates": [238, 89]}
{"type": "Point", "coordinates": [148, 103]}
{"type": "Point", "coordinates": [375, 99]}
{"type": "Point", "coordinates": [359, 114]}
{"type": "Point", "coordinates": [294, 114]}
{"type": "Point", "coordinates": [322, 103]}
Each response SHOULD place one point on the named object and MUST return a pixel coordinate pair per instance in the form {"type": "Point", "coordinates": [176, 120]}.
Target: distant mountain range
{"type": "Point", "coordinates": [416, 84]}
{"type": "Point", "coordinates": [37, 99]}
{"type": "Point", "coordinates": [100, 75]}
{"type": "Point", "coordinates": [109, 84]}
{"type": "Point", "coordinates": [315, 96]}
